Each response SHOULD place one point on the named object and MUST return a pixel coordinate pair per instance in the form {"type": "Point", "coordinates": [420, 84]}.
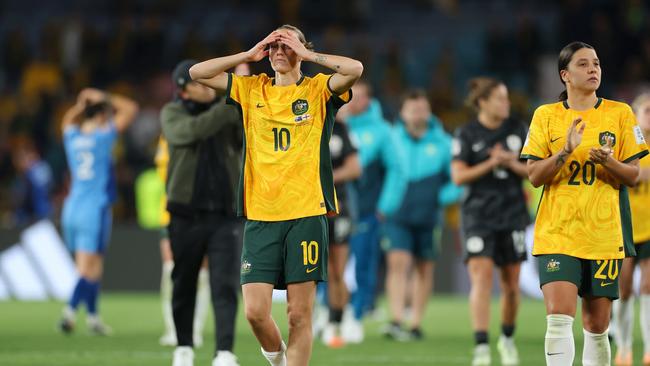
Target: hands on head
{"type": "Point", "coordinates": [283, 36]}
{"type": "Point", "coordinates": [91, 96]}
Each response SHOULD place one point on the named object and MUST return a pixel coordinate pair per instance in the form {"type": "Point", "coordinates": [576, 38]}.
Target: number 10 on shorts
{"type": "Point", "coordinates": [309, 252]}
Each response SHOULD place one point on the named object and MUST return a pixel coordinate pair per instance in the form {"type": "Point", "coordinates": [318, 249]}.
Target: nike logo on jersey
{"type": "Point", "coordinates": [554, 353]}
{"type": "Point", "coordinates": [555, 139]}
{"type": "Point", "coordinates": [259, 105]}
{"type": "Point", "coordinates": [603, 284]}
{"type": "Point", "coordinates": [310, 270]}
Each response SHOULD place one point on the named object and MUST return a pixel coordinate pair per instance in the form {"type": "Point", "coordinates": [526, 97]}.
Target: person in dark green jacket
{"type": "Point", "coordinates": [204, 140]}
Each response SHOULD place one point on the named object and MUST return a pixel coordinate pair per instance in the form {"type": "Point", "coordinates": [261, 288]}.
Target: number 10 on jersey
{"type": "Point", "coordinates": [282, 139]}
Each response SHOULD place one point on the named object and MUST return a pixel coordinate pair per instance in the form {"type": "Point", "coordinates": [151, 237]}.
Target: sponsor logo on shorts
{"type": "Point", "coordinates": [245, 267]}
{"type": "Point", "coordinates": [310, 270]}
{"type": "Point", "coordinates": [603, 283]}
{"type": "Point", "coordinates": [553, 266]}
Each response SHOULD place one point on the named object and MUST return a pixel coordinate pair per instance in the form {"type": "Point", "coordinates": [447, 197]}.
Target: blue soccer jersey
{"type": "Point", "coordinates": [86, 212]}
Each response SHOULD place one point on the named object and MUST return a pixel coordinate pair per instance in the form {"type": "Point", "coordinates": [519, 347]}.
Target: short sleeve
{"type": "Point", "coordinates": [461, 146]}
{"type": "Point", "coordinates": [238, 89]}
{"type": "Point", "coordinates": [338, 99]}
{"type": "Point", "coordinates": [632, 145]}
{"type": "Point", "coordinates": [536, 145]}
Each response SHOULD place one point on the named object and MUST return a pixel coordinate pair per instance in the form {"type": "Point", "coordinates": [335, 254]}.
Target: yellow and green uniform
{"type": "Point", "coordinates": [286, 185]}
{"type": "Point", "coordinates": [640, 206]}
{"type": "Point", "coordinates": [287, 171]}
{"type": "Point", "coordinates": [579, 214]}
{"type": "Point", "coordinates": [162, 159]}
{"type": "Point", "coordinates": [583, 222]}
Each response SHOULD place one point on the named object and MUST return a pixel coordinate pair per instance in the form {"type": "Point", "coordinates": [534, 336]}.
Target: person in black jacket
{"type": "Point", "coordinates": [204, 141]}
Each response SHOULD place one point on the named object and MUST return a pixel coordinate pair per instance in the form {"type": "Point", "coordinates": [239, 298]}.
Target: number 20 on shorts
{"type": "Point", "coordinates": [612, 269]}
{"type": "Point", "coordinates": [309, 252]}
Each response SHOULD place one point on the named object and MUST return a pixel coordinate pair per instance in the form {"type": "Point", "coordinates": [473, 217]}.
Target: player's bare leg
{"type": "Point", "coordinates": [423, 284]}
{"type": "Point", "coordinates": [480, 274]}
{"type": "Point", "coordinates": [337, 293]}
{"type": "Point", "coordinates": [510, 298]}
{"type": "Point", "coordinates": [257, 307]}
{"type": "Point", "coordinates": [399, 265]}
{"type": "Point", "coordinates": [300, 303]}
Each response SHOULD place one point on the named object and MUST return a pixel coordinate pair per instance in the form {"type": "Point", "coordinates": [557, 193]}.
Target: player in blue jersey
{"type": "Point", "coordinates": [90, 129]}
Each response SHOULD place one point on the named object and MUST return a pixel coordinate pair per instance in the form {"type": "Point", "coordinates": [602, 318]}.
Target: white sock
{"type": "Point", "coordinates": [645, 322]}
{"type": "Point", "coordinates": [558, 345]}
{"type": "Point", "coordinates": [277, 358]}
{"type": "Point", "coordinates": [69, 313]}
{"type": "Point", "coordinates": [623, 314]}
{"type": "Point", "coordinates": [202, 301]}
{"type": "Point", "coordinates": [596, 351]}
{"type": "Point", "coordinates": [166, 287]}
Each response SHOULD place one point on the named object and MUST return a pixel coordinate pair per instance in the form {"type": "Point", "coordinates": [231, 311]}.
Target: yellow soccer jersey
{"type": "Point", "coordinates": [640, 205]}
{"type": "Point", "coordinates": [579, 213]}
{"type": "Point", "coordinates": [287, 169]}
{"type": "Point", "coordinates": [162, 160]}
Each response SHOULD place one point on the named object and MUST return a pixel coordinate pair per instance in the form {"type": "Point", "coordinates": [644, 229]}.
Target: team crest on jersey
{"type": "Point", "coordinates": [553, 266]}
{"type": "Point", "coordinates": [245, 267]}
{"type": "Point", "coordinates": [604, 135]}
{"type": "Point", "coordinates": [300, 106]}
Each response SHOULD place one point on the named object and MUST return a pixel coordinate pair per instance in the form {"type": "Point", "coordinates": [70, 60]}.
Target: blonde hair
{"type": "Point", "coordinates": [301, 35]}
{"type": "Point", "coordinates": [639, 101]}
{"type": "Point", "coordinates": [480, 88]}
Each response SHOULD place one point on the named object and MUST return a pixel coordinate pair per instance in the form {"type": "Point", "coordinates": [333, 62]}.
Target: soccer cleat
{"type": "Point", "coordinates": [352, 331]}
{"type": "Point", "coordinates": [66, 325]}
{"type": "Point", "coordinates": [416, 334]}
{"type": "Point", "coordinates": [168, 339]}
{"type": "Point", "coordinates": [225, 358]}
{"type": "Point", "coordinates": [98, 328]}
{"type": "Point", "coordinates": [331, 338]}
{"type": "Point", "coordinates": [508, 351]}
{"type": "Point", "coordinates": [395, 332]}
{"type": "Point", "coordinates": [183, 356]}
{"type": "Point", "coordinates": [623, 357]}
{"type": "Point", "coordinates": [481, 355]}
{"type": "Point", "coordinates": [277, 358]}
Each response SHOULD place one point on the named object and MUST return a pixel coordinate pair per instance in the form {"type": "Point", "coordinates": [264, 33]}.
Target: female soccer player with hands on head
{"type": "Point", "coordinates": [287, 184]}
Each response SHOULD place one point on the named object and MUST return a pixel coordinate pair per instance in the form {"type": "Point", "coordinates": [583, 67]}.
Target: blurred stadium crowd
{"type": "Point", "coordinates": [51, 50]}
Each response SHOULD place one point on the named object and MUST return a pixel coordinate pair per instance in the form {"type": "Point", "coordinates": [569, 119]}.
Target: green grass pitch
{"type": "Point", "coordinates": [28, 336]}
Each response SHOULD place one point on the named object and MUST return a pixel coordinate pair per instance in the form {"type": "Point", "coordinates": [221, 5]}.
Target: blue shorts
{"type": "Point", "coordinates": [88, 229]}
{"type": "Point", "coordinates": [417, 240]}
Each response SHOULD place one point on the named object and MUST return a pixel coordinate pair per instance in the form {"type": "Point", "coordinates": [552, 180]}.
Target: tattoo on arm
{"type": "Point", "coordinates": [561, 158]}
{"type": "Point", "coordinates": [320, 58]}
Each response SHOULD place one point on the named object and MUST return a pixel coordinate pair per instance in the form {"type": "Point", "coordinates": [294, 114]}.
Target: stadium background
{"type": "Point", "coordinates": [52, 49]}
